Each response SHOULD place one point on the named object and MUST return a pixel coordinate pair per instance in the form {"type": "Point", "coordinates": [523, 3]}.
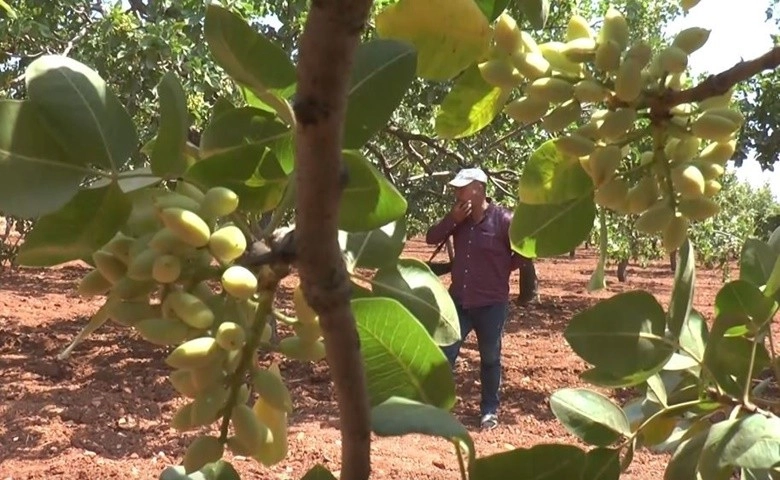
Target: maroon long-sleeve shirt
{"type": "Point", "coordinates": [483, 258]}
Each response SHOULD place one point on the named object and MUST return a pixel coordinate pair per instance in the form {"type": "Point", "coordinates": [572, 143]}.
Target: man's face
{"type": "Point", "coordinates": [470, 192]}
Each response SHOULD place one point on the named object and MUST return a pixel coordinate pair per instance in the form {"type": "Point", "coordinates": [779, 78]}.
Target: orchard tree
{"type": "Point", "coordinates": [177, 261]}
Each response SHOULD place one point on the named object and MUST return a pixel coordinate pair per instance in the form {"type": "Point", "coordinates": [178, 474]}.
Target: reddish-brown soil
{"type": "Point", "coordinates": [104, 412]}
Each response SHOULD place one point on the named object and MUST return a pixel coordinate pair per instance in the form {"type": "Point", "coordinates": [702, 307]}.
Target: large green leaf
{"type": "Point", "coordinates": [401, 358]}
{"type": "Point", "coordinates": [693, 335]}
{"type": "Point", "coordinates": [252, 171]}
{"type": "Point", "coordinates": [549, 176]}
{"type": "Point", "coordinates": [168, 156]}
{"type": "Point", "coordinates": [246, 55]}
{"type": "Point", "coordinates": [752, 441]}
{"type": "Point", "coordinates": [369, 199]}
{"type": "Point", "coordinates": [540, 462]}
{"type": "Point", "coordinates": [449, 35]}
{"type": "Point", "coordinates": [492, 8]}
{"type": "Point", "coordinates": [470, 106]}
{"type": "Point", "coordinates": [241, 126]}
{"type": "Point", "coordinates": [81, 111]}
{"type": "Point", "coordinates": [377, 248]}
{"type": "Point", "coordinates": [36, 176]}
{"type": "Point", "coordinates": [756, 262]}
{"type": "Point", "coordinates": [685, 460]}
{"type": "Point", "coordinates": [89, 220]}
{"type": "Point", "coordinates": [552, 229]}
{"type": "Point", "coordinates": [589, 415]}
{"type": "Point", "coordinates": [399, 416]}
{"type": "Point", "coordinates": [386, 66]}
{"type": "Point", "coordinates": [412, 283]}
{"type": "Point", "coordinates": [728, 357]}
{"type": "Point", "coordinates": [622, 336]}
{"type": "Point", "coordinates": [682, 295]}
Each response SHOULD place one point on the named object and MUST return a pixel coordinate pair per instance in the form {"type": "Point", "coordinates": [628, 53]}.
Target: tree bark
{"type": "Point", "coordinates": [326, 54]}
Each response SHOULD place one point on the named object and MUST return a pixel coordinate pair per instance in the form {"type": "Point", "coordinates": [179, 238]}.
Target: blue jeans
{"type": "Point", "coordinates": [488, 324]}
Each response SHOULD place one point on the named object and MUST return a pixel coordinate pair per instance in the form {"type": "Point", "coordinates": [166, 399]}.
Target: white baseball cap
{"type": "Point", "coordinates": [468, 175]}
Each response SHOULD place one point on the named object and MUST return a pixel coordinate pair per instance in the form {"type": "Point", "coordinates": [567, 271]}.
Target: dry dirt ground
{"type": "Point", "coordinates": [104, 412]}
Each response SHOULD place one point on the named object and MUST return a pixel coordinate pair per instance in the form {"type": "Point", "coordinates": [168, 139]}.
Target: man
{"type": "Point", "coordinates": [481, 267]}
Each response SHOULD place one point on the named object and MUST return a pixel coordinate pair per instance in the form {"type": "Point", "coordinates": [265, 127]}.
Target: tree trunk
{"type": "Point", "coordinates": [621, 270]}
{"type": "Point", "coordinates": [673, 261]}
{"type": "Point", "coordinates": [326, 54]}
{"type": "Point", "coordinates": [571, 254]}
{"type": "Point", "coordinates": [528, 282]}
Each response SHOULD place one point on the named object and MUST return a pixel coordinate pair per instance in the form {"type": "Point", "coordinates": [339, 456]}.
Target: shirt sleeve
{"type": "Point", "coordinates": [439, 232]}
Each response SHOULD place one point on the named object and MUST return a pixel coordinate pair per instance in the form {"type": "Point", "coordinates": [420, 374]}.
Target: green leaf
{"type": "Point", "coordinates": [246, 55]}
{"type": "Point", "coordinates": [89, 220]}
{"type": "Point", "coordinates": [535, 11]}
{"type": "Point", "coordinates": [401, 358]}
{"type": "Point", "coordinates": [399, 416]}
{"type": "Point", "coordinates": [252, 171]}
{"type": "Point", "coordinates": [740, 297]}
{"type": "Point", "coordinates": [168, 157]}
{"type": "Point", "coordinates": [377, 248]}
{"type": "Point", "coordinates": [773, 282]}
{"type": "Point", "coordinates": [693, 336]}
{"type": "Point", "coordinates": [492, 8]}
{"type": "Point", "coordinates": [81, 111]}
{"type": "Point", "coordinates": [622, 336]}
{"type": "Point", "coordinates": [369, 200]}
{"type": "Point", "coordinates": [589, 415]}
{"type": "Point", "coordinates": [318, 472]}
{"type": "Point", "coordinates": [728, 358]}
{"type": "Point", "coordinates": [386, 66]}
{"type": "Point", "coordinates": [682, 295]}
{"type": "Point", "coordinates": [752, 441]}
{"type": "Point", "coordinates": [553, 229]}
{"type": "Point", "coordinates": [470, 106]}
{"type": "Point", "coordinates": [36, 176]}
{"type": "Point", "coordinates": [412, 283]}
{"type": "Point", "coordinates": [602, 464]}
{"type": "Point", "coordinates": [685, 460]}
{"type": "Point", "coordinates": [540, 462]}
{"type": "Point", "coordinates": [549, 176]}
{"type": "Point", "coordinates": [448, 35]}
{"type": "Point", "coordinates": [241, 126]}
{"type": "Point", "coordinates": [756, 262]}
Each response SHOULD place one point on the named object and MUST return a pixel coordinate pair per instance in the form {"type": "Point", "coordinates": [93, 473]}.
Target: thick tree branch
{"type": "Point", "coordinates": [719, 84]}
{"type": "Point", "coordinates": [326, 54]}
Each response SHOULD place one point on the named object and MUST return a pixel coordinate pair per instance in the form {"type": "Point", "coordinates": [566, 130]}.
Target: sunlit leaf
{"type": "Point", "coordinates": [401, 359]}
{"type": "Point", "coordinates": [549, 176]}
{"type": "Point", "coordinates": [377, 248]}
{"type": "Point", "coordinates": [470, 106]}
{"type": "Point", "coordinates": [552, 229]}
{"type": "Point", "coordinates": [412, 283]}
{"type": "Point", "coordinates": [449, 35]}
